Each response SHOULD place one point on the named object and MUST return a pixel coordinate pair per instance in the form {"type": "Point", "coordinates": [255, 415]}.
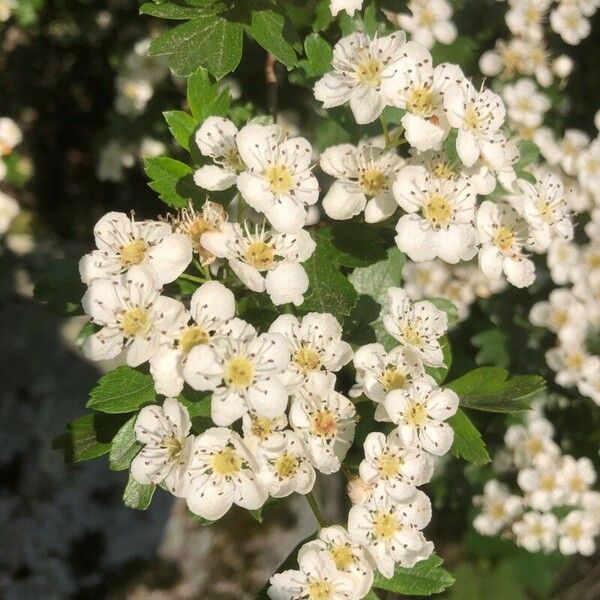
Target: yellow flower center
{"type": "Point", "coordinates": [413, 336]}
{"type": "Point", "coordinates": [392, 379]}
{"type": "Point", "coordinates": [319, 590]}
{"type": "Point", "coordinates": [438, 211]}
{"type": "Point", "coordinates": [496, 510]}
{"type": "Point", "coordinates": [532, 15]}
{"type": "Point", "coordinates": [574, 531]}
{"type": "Point", "coordinates": [560, 318]}
{"type": "Point", "coordinates": [261, 427]}
{"type": "Point", "coordinates": [389, 464]}
{"type": "Point", "coordinates": [369, 72]}
{"type": "Point", "coordinates": [534, 446]}
{"type": "Point", "coordinates": [280, 179]}
{"type": "Point", "coordinates": [538, 530]}
{"type": "Point", "coordinates": [472, 119]}
{"type": "Point", "coordinates": [239, 373]}
{"type": "Point", "coordinates": [385, 526]}
{"type": "Point", "coordinates": [577, 484]}
{"type": "Point", "coordinates": [415, 414]}
{"type": "Point", "coordinates": [194, 231]}
{"type": "Point", "coordinates": [5, 149]}
{"type": "Point", "coordinates": [135, 321]}
{"type": "Point", "coordinates": [133, 253]}
{"type": "Point", "coordinates": [593, 261]}
{"type": "Point", "coordinates": [234, 160]}
{"type": "Point", "coordinates": [547, 482]}
{"type": "Point", "coordinates": [442, 171]}
{"type": "Point", "coordinates": [260, 255]}
{"type": "Point", "coordinates": [427, 18]}
{"type": "Point", "coordinates": [420, 101]}
{"type": "Point", "coordinates": [286, 465]}
{"type": "Point", "coordinates": [342, 556]}
{"type": "Point", "coordinates": [504, 239]}
{"type": "Point", "coordinates": [372, 181]}
{"type": "Point", "coordinates": [174, 447]}
{"type": "Point", "coordinates": [226, 462]}
{"type": "Point", "coordinates": [307, 359]}
{"type": "Point", "coordinates": [324, 424]}
{"type": "Point", "coordinates": [574, 361]}
{"type": "Point", "coordinates": [191, 337]}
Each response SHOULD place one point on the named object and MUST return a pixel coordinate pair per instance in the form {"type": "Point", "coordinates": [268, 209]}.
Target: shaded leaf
{"type": "Point", "coordinates": [268, 29]}
{"type": "Point", "coordinates": [181, 125]}
{"type": "Point", "coordinates": [138, 495]}
{"type": "Point", "coordinates": [468, 443]}
{"type": "Point", "coordinates": [121, 391]}
{"type": "Point", "coordinates": [124, 447]}
{"type": "Point", "coordinates": [59, 287]}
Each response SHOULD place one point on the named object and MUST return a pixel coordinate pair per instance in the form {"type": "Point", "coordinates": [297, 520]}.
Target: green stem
{"type": "Point", "coordinates": [348, 473]}
{"type": "Point", "coordinates": [206, 272]}
{"type": "Point", "coordinates": [241, 208]}
{"type": "Point", "coordinates": [386, 133]}
{"type": "Point", "coordinates": [315, 508]}
{"type": "Point", "coordinates": [192, 278]}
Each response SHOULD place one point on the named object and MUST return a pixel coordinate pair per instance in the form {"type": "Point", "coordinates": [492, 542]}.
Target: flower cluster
{"type": "Point", "coordinates": [550, 482]}
{"type": "Point", "coordinates": [441, 216]}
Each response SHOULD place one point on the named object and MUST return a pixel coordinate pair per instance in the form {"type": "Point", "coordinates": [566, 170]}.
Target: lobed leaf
{"type": "Point", "coordinates": [468, 443]}
{"type": "Point", "coordinates": [124, 447]}
{"type": "Point", "coordinates": [121, 391]}
{"type": "Point", "coordinates": [166, 177]}
{"type": "Point", "coordinates": [268, 28]}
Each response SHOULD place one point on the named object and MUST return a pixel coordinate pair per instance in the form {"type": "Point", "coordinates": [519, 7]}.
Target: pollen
{"type": "Point", "coordinates": [392, 379]}
{"type": "Point", "coordinates": [369, 72]}
{"type": "Point", "coordinates": [135, 321]}
{"type": "Point", "coordinates": [226, 462]}
{"type": "Point", "coordinates": [280, 179]}
{"type": "Point", "coordinates": [261, 427]}
{"type": "Point", "coordinates": [438, 211]}
{"type": "Point", "coordinates": [342, 556]}
{"type": "Point", "coordinates": [416, 414]}
{"type": "Point", "coordinates": [133, 253]}
{"type": "Point", "coordinates": [307, 359]}
{"type": "Point", "coordinates": [372, 181]}
{"type": "Point", "coordinates": [320, 590]}
{"type": "Point", "coordinates": [324, 424]}
{"type": "Point", "coordinates": [504, 239]}
{"type": "Point", "coordinates": [191, 337]}
{"type": "Point", "coordinates": [473, 119]}
{"type": "Point", "coordinates": [389, 464]}
{"type": "Point", "coordinates": [413, 336]}
{"type": "Point", "coordinates": [260, 255]}
{"type": "Point", "coordinates": [286, 465]}
{"type": "Point", "coordinates": [385, 526]}
{"type": "Point", "coordinates": [239, 373]}
{"type": "Point", "coordinates": [420, 101]}
{"type": "Point", "coordinates": [174, 447]}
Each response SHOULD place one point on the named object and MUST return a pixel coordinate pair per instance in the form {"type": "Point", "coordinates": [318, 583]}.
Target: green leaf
{"type": "Point", "coordinates": [121, 391]}
{"type": "Point", "coordinates": [487, 388]}
{"type": "Point", "coordinates": [60, 287]}
{"type": "Point", "coordinates": [181, 125]}
{"type": "Point", "coordinates": [493, 349]}
{"type": "Point", "coordinates": [124, 447]}
{"type": "Point", "coordinates": [319, 55]}
{"type": "Point", "coordinates": [268, 28]}
{"type": "Point", "coordinates": [138, 495]}
{"type": "Point", "coordinates": [467, 440]}
{"type": "Point", "coordinates": [88, 437]}
{"type": "Point", "coordinates": [208, 40]}
{"type": "Point", "coordinates": [439, 373]}
{"type": "Point", "coordinates": [371, 596]}
{"type": "Point", "coordinates": [329, 290]}
{"type": "Point", "coordinates": [206, 98]}
{"type": "Point", "coordinates": [197, 403]}
{"type": "Point", "coordinates": [84, 333]}
{"type": "Point", "coordinates": [448, 307]}
{"type": "Point", "coordinates": [351, 244]}
{"type": "Point", "coordinates": [166, 176]}
{"type": "Point", "coordinates": [168, 10]}
{"type": "Point", "coordinates": [425, 578]}
{"type": "Point", "coordinates": [529, 154]}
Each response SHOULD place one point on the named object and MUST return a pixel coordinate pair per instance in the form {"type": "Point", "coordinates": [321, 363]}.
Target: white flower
{"type": "Point", "coordinates": [194, 224]}
{"type": "Point", "coordinates": [113, 157]}
{"type": "Point", "coordinates": [568, 358]}
{"type": "Point", "coordinates": [165, 432]}
{"type": "Point", "coordinates": [349, 6]}
{"type": "Point", "coordinates": [545, 210]}
{"type": "Point", "coordinates": [10, 135]}
{"type": "Point", "coordinates": [569, 23]}
{"type": "Point", "coordinates": [478, 116]}
{"type": "Point", "coordinates": [364, 177]}
{"type": "Point", "coordinates": [526, 106]}
{"type": "Point", "coordinates": [133, 316]}
{"type": "Point", "coordinates": [576, 533]}
{"type": "Point", "coordinates": [562, 258]}
{"type": "Point", "coordinates": [358, 63]}
{"type": "Point", "coordinates": [263, 259]}
{"type": "Point", "coordinates": [576, 477]}
{"type": "Point", "coordinates": [562, 310]}
{"type": "Point", "coordinates": [397, 468]}
{"type": "Point", "coordinates": [562, 66]}
{"type": "Point", "coordinates": [412, 84]}
{"type": "Point", "coordinates": [151, 147]}
{"type": "Point", "coordinates": [133, 93]}
{"type": "Point", "coordinates": [572, 146]}
{"type": "Point", "coordinates": [317, 578]}
{"type": "Point", "coordinates": [347, 555]}
{"type": "Point", "coordinates": [391, 530]}
{"type": "Point", "coordinates": [243, 370]}
{"type": "Point", "coordinates": [429, 22]}
{"type": "Point", "coordinates": [359, 491]}
{"type": "Point", "coordinates": [6, 9]}
{"type": "Point", "coordinates": [498, 508]}
{"type": "Point", "coordinates": [379, 372]}
{"type": "Point", "coordinates": [588, 164]}
{"type": "Point", "coordinates": [284, 465]}
{"type": "Point", "coordinates": [260, 431]}
{"type": "Point", "coordinates": [123, 242]}
{"type": "Point", "coordinates": [278, 180]}
{"type": "Point", "coordinates": [425, 279]}
{"type": "Point", "coordinates": [211, 306]}
{"type": "Point", "coordinates": [531, 444]}
{"type": "Point", "coordinates": [325, 421]}
{"type": "Point", "coordinates": [315, 343]}
{"type": "Point", "coordinates": [420, 411]}
{"type": "Point", "coordinates": [526, 17]}
{"type": "Point", "coordinates": [216, 139]}
{"type": "Point", "coordinates": [536, 532]}
{"type": "Point", "coordinates": [589, 383]}
{"type": "Point", "coordinates": [541, 486]}
{"type": "Point", "coordinates": [504, 234]}
{"type": "Point", "coordinates": [9, 209]}
{"type": "Point", "coordinates": [222, 472]}
{"type": "Point", "coordinates": [417, 326]}
{"type": "Point", "coordinates": [440, 216]}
